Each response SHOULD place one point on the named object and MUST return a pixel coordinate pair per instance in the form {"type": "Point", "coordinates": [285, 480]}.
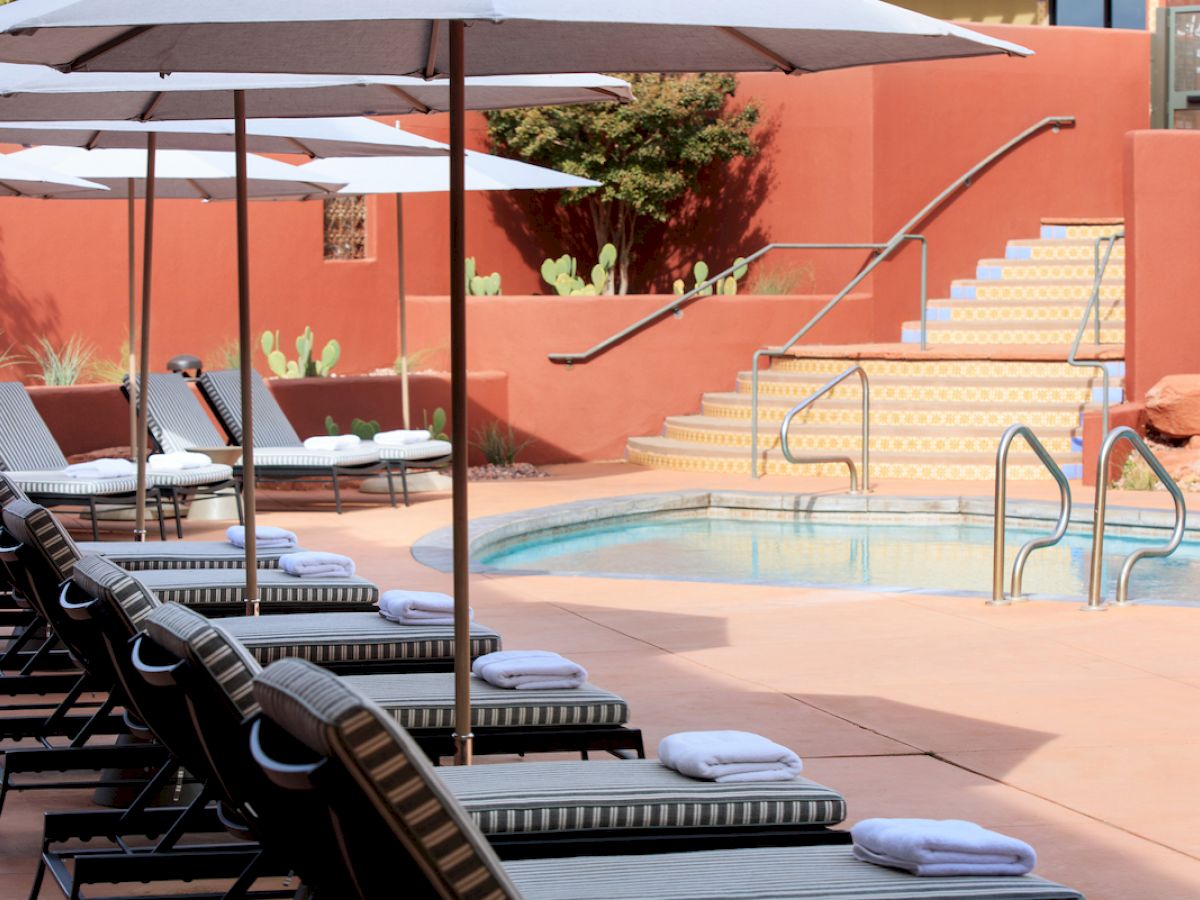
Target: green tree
{"type": "Point", "coordinates": [648, 154]}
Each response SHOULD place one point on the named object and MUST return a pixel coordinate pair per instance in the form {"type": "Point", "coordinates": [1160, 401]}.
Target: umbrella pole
{"type": "Point", "coordinates": [244, 345]}
{"type": "Point", "coordinates": [143, 382]}
{"type": "Point", "coordinates": [403, 309]}
{"type": "Point", "coordinates": [131, 206]}
{"type": "Point", "coordinates": [463, 738]}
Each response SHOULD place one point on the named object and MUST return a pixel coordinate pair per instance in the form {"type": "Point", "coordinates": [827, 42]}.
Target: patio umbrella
{"type": "Point", "coordinates": [415, 175]}
{"type": "Point", "coordinates": [431, 38]}
{"type": "Point", "coordinates": [23, 178]}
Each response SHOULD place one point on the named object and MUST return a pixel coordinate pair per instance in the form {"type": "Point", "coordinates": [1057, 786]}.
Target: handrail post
{"type": "Point", "coordinates": [924, 286]}
{"type": "Point", "coordinates": [754, 416]}
{"type": "Point", "coordinates": [1100, 266]}
{"type": "Point", "coordinates": [866, 429]}
{"type": "Point", "coordinates": [1096, 567]}
{"type": "Point", "coordinates": [1000, 514]}
{"type": "Point", "coordinates": [812, 398]}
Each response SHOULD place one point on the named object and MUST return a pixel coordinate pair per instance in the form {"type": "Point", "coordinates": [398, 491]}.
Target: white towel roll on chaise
{"type": "Point", "coordinates": [529, 670]}
{"type": "Point", "coordinates": [100, 469]}
{"type": "Point", "coordinates": [330, 442]}
{"type": "Point", "coordinates": [268, 537]}
{"type": "Point", "coordinates": [936, 847]}
{"type": "Point", "coordinates": [728, 756]}
{"type": "Point", "coordinates": [400, 437]}
{"type": "Point", "coordinates": [177, 461]}
{"type": "Point", "coordinates": [417, 607]}
{"type": "Point", "coordinates": [313, 564]}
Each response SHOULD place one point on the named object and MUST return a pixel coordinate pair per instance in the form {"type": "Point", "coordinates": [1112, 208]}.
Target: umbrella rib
{"type": "Point", "coordinates": [435, 33]}
{"type": "Point", "coordinates": [303, 148]}
{"type": "Point", "coordinates": [96, 52]}
{"type": "Point", "coordinates": [151, 106]}
{"type": "Point", "coordinates": [92, 141]}
{"type": "Point", "coordinates": [204, 195]}
{"type": "Point", "coordinates": [8, 187]}
{"type": "Point", "coordinates": [784, 64]}
{"type": "Point", "coordinates": [404, 95]}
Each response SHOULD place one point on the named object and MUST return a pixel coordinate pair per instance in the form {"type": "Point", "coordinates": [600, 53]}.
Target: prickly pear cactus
{"type": "Point", "coordinates": [331, 427]}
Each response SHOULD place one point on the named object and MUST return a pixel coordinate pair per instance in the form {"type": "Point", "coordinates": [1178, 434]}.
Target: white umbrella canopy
{"type": "Point", "coordinates": [475, 37]}
{"type": "Point", "coordinates": [321, 137]}
{"type": "Point", "coordinates": [25, 178]}
{"type": "Point", "coordinates": [38, 92]}
{"type": "Point", "coordinates": [411, 38]}
{"type": "Point", "coordinates": [179, 174]}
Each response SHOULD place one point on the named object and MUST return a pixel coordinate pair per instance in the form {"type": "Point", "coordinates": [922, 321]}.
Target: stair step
{"type": "Point", "coordinates": [1028, 270]}
{"type": "Point", "coordinates": [664, 453]}
{"type": "Point", "coordinates": [1052, 290]}
{"type": "Point", "coordinates": [1058, 230]}
{"type": "Point", "coordinates": [941, 368]}
{"type": "Point", "coordinates": [1042, 249]}
{"type": "Point", "coordinates": [1017, 312]}
{"type": "Point", "coordinates": [985, 333]}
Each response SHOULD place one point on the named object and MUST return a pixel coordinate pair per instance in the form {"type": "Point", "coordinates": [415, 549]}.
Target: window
{"type": "Point", "coordinates": [1099, 13]}
{"type": "Point", "coordinates": [346, 228]}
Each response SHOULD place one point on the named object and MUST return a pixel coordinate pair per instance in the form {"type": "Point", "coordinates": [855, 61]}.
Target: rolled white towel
{"type": "Point", "coordinates": [418, 608]}
{"type": "Point", "coordinates": [100, 469]}
{"type": "Point", "coordinates": [529, 670]}
{"type": "Point", "coordinates": [728, 756]}
{"type": "Point", "coordinates": [267, 537]}
{"type": "Point", "coordinates": [936, 847]}
{"type": "Point", "coordinates": [312, 564]}
{"type": "Point", "coordinates": [332, 442]}
{"type": "Point", "coordinates": [178, 461]}
{"type": "Point", "coordinates": [399, 437]}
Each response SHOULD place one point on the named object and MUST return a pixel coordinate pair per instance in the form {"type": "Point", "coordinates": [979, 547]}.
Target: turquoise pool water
{"type": "Point", "coordinates": [944, 558]}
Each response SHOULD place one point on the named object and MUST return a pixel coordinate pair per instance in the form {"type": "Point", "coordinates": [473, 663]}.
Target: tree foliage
{"type": "Point", "coordinates": [648, 154]}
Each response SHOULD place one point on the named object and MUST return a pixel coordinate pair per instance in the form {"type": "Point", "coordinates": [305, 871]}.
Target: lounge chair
{"type": "Point", "coordinates": [397, 823]}
{"type": "Point", "coordinates": [216, 591]}
{"type": "Point", "coordinates": [179, 421]}
{"type": "Point", "coordinates": [32, 459]}
{"type": "Point", "coordinates": [504, 721]}
{"type": "Point", "coordinates": [272, 427]}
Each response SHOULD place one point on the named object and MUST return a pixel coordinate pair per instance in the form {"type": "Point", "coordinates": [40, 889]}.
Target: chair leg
{"type": "Point", "coordinates": [392, 485]}
{"type": "Point", "coordinates": [237, 499]}
{"type": "Point", "coordinates": [178, 497]}
{"type": "Point", "coordinates": [337, 495]}
{"type": "Point", "coordinates": [404, 482]}
{"type": "Point", "coordinates": [92, 511]}
{"type": "Point", "coordinates": [162, 523]}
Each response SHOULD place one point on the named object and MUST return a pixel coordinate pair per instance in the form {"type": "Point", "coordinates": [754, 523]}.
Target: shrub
{"type": "Point", "coordinates": [63, 365]}
{"type": "Point", "coordinates": [500, 448]}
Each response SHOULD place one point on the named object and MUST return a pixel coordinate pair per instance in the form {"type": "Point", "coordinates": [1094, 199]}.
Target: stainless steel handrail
{"type": "Point", "coordinates": [866, 428]}
{"type": "Point", "coordinates": [904, 233]}
{"type": "Point", "coordinates": [1099, 267]}
{"type": "Point", "coordinates": [883, 251]}
{"type": "Point", "coordinates": [1060, 529]}
{"type": "Point", "coordinates": [1118, 434]}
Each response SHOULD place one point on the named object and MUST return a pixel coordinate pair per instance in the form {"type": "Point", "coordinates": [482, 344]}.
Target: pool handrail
{"type": "Point", "coordinates": [1000, 514]}
{"type": "Point", "coordinates": [1099, 267]}
{"type": "Point", "coordinates": [1096, 568]}
{"type": "Point", "coordinates": [866, 428]}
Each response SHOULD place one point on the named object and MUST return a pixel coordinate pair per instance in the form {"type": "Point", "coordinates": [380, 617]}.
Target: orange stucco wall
{"type": "Point", "coordinates": [1162, 200]}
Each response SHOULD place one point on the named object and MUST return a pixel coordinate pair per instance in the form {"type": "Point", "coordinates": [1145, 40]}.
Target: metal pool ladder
{"type": "Point", "coordinates": [1124, 432]}
{"type": "Point", "coordinates": [1060, 529]}
{"type": "Point", "coordinates": [866, 430]}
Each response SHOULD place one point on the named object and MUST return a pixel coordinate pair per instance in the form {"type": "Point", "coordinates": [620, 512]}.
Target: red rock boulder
{"type": "Point", "coordinates": [1173, 406]}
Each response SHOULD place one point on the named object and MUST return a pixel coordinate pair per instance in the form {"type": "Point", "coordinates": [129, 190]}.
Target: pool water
{"type": "Point", "coordinates": [930, 556]}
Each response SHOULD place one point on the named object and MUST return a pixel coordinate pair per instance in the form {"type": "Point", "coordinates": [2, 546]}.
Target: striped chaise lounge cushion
{"type": "Point", "coordinates": [538, 797]}
{"type": "Point", "coordinates": [324, 638]}
{"type": "Point", "coordinates": [224, 590]}
{"type": "Point", "coordinates": [212, 473]}
{"type": "Point", "coordinates": [276, 442]}
{"type": "Point", "coordinates": [176, 416]}
{"type": "Point", "coordinates": [136, 556]}
{"type": "Point", "coordinates": [420, 451]}
{"type": "Point", "coordinates": [38, 528]}
{"type": "Point", "coordinates": [333, 719]}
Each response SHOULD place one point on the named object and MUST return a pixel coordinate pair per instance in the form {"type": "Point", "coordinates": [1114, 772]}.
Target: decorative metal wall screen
{"type": "Point", "coordinates": [346, 228]}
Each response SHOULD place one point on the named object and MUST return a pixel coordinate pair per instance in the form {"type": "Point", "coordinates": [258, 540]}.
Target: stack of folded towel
{"type": "Point", "coordinates": [418, 608]}
{"type": "Point", "coordinates": [400, 437]}
{"type": "Point", "coordinates": [332, 442]}
{"type": "Point", "coordinates": [100, 469]}
{"type": "Point", "coordinates": [177, 461]}
{"type": "Point", "coordinates": [940, 847]}
{"type": "Point", "coordinates": [728, 756]}
{"type": "Point", "coordinates": [311, 564]}
{"type": "Point", "coordinates": [529, 670]}
{"type": "Point", "coordinates": [266, 537]}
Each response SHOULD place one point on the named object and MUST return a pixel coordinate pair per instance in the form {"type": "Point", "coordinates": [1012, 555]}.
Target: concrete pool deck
{"type": "Point", "coordinates": [1074, 731]}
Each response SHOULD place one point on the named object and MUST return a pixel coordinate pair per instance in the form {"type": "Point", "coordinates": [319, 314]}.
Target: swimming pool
{"type": "Point", "coordinates": [894, 544]}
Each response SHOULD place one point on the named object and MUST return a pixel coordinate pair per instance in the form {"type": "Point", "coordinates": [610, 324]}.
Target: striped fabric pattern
{"type": "Point", "coordinates": [304, 458]}
{"type": "Point", "coordinates": [36, 482]}
{"type": "Point", "coordinates": [217, 587]}
{"type": "Point", "coordinates": [424, 450]}
{"type": "Point", "coordinates": [210, 474]}
{"type": "Point", "coordinates": [37, 527]}
{"type": "Point", "coordinates": [136, 557]}
{"type": "Point", "coordinates": [271, 426]}
{"type": "Point", "coordinates": [766, 873]}
{"type": "Point", "coordinates": [177, 418]}
{"type": "Point", "coordinates": [204, 645]}
{"type": "Point", "coordinates": [115, 587]}
{"type": "Point", "coordinates": [332, 718]}
{"type": "Point", "coordinates": [337, 637]}
{"type": "Point", "coordinates": [9, 491]}
{"type": "Point", "coordinates": [516, 798]}
{"type": "Point", "coordinates": [25, 441]}
{"type": "Point", "coordinates": [426, 700]}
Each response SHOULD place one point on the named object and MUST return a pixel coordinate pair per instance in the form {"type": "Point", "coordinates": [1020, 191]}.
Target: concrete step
{"type": "Point", "coordinates": [1042, 249]}
{"type": "Point", "coordinates": [848, 411]}
{"type": "Point", "coordinates": [1036, 291]}
{"type": "Point", "coordinates": [985, 333]}
{"type": "Point", "coordinates": [972, 390]}
{"type": "Point", "coordinates": [1057, 230]}
{"type": "Point", "coordinates": [1031, 270]}
{"type": "Point", "coordinates": [665, 453]}
{"type": "Point", "coordinates": [809, 436]}
{"type": "Point", "coordinates": [1016, 312]}
{"type": "Point", "coordinates": [926, 363]}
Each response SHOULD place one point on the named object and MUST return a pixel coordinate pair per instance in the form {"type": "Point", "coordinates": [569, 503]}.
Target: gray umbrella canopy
{"type": "Point", "coordinates": [475, 37]}
{"type": "Point", "coordinates": [27, 178]}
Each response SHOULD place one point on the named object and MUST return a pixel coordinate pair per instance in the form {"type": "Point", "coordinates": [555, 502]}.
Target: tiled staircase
{"type": "Point", "coordinates": [996, 356]}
